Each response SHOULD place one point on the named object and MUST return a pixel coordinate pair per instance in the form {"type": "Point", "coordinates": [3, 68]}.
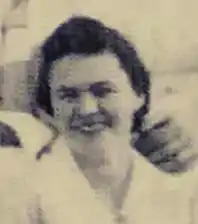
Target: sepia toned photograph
{"type": "Point", "coordinates": [98, 112]}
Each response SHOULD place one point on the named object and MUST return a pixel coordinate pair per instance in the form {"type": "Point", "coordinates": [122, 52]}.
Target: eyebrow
{"type": "Point", "coordinates": [101, 84]}
{"type": "Point", "coordinates": [63, 88]}
{"type": "Point", "coordinates": [104, 84]}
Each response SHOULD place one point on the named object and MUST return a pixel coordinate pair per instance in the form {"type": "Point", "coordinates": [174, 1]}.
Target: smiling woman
{"type": "Point", "coordinates": [73, 81]}
{"type": "Point", "coordinates": [159, 138]}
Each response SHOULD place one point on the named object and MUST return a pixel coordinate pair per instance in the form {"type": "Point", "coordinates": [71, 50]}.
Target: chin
{"type": "Point", "coordinates": [83, 139]}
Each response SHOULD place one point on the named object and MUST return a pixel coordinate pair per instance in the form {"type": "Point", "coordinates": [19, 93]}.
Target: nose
{"type": "Point", "coordinates": [88, 104]}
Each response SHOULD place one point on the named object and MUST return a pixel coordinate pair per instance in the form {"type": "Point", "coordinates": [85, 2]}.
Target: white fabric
{"type": "Point", "coordinates": [153, 195]}
{"type": "Point", "coordinates": [65, 194]}
{"type": "Point", "coordinates": [54, 182]}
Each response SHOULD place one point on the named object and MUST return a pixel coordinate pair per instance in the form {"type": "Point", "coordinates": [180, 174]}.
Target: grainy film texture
{"type": "Point", "coordinates": [98, 112]}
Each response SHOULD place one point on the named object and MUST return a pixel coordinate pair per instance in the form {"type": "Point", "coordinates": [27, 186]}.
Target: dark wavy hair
{"type": "Point", "coordinates": [86, 36]}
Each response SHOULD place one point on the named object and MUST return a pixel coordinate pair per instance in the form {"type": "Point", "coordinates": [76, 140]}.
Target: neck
{"type": "Point", "coordinates": [107, 167]}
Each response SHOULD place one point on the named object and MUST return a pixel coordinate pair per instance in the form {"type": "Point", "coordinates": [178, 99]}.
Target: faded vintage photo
{"type": "Point", "coordinates": [98, 106]}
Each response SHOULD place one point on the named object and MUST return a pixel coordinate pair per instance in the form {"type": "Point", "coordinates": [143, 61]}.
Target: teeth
{"type": "Point", "coordinates": [86, 128]}
{"type": "Point", "coordinates": [92, 128]}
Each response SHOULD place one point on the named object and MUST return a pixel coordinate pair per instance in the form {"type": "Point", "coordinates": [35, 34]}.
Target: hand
{"type": "Point", "coordinates": [166, 145]}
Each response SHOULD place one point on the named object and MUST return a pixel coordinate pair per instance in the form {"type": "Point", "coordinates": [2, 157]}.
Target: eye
{"type": "Point", "coordinates": [101, 91]}
{"type": "Point", "coordinates": [68, 93]}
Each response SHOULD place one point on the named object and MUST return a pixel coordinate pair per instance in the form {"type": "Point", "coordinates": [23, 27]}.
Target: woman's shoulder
{"type": "Point", "coordinates": [22, 130]}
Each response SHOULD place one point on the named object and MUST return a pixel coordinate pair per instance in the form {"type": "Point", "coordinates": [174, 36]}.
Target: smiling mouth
{"type": "Point", "coordinates": [92, 129]}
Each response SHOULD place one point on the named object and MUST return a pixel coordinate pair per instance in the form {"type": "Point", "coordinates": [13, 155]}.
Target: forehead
{"type": "Point", "coordinates": [77, 70]}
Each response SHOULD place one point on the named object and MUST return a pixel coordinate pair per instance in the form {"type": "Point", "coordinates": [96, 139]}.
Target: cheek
{"type": "Point", "coordinates": [129, 105]}
{"type": "Point", "coordinates": [108, 103]}
{"type": "Point", "coordinates": [122, 105]}
{"type": "Point", "coordinates": [62, 109]}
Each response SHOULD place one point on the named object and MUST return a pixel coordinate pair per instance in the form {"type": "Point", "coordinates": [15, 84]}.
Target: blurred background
{"type": "Point", "coordinates": [165, 32]}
